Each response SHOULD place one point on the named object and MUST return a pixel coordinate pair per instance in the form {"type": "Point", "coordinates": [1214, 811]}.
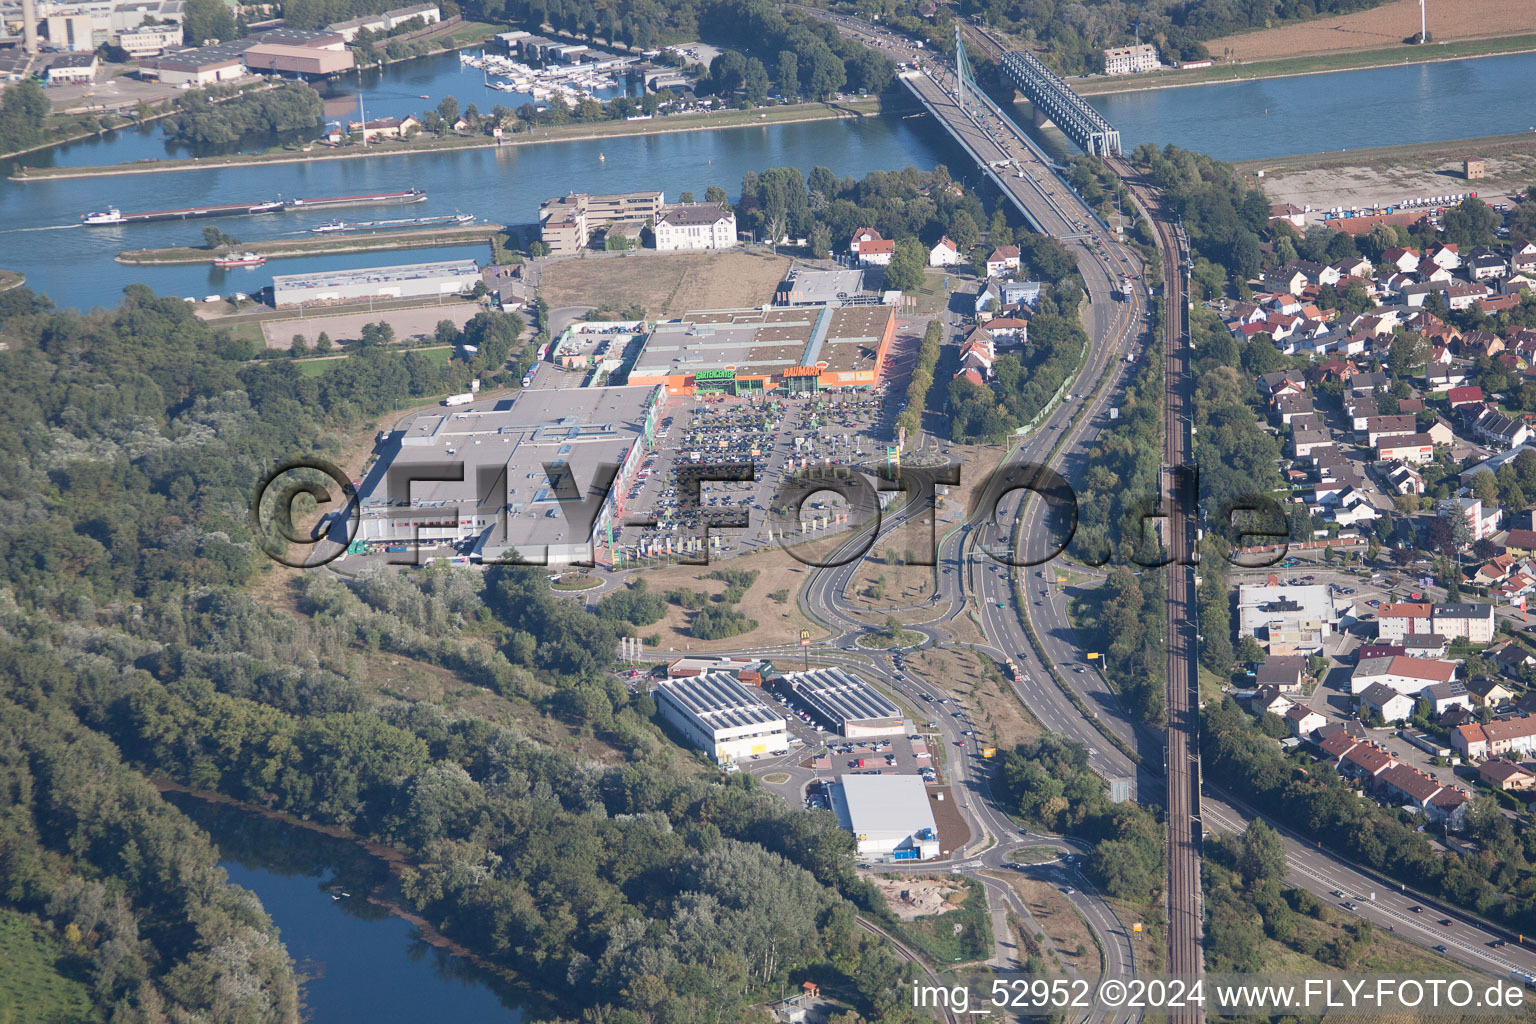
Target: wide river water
{"type": "Point", "coordinates": [40, 236]}
{"type": "Point", "coordinates": [360, 962]}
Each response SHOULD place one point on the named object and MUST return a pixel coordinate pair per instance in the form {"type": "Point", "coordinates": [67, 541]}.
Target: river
{"type": "Point", "coordinates": [360, 962]}
{"type": "Point", "coordinates": [74, 265]}
{"type": "Point", "coordinates": [1340, 110]}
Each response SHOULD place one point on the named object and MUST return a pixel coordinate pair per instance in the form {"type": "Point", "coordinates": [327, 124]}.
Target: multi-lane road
{"type": "Point", "coordinates": [1068, 695]}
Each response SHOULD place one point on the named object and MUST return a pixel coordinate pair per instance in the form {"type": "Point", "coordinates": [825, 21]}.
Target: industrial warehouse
{"type": "Point", "coordinates": [413, 280]}
{"type": "Point", "coordinates": [501, 500]}
{"type": "Point", "coordinates": [843, 702]}
{"type": "Point", "coordinates": [889, 816]}
{"type": "Point", "coordinates": [722, 717]}
{"type": "Point", "coordinates": [742, 351]}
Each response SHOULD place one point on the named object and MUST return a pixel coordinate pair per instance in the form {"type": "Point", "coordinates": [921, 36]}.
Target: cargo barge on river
{"type": "Point", "coordinates": [113, 216]}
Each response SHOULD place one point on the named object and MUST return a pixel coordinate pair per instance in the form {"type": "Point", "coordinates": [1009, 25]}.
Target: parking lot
{"type": "Point", "coordinates": [768, 436]}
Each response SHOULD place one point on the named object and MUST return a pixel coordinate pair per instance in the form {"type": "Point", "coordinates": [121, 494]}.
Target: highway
{"type": "Point", "coordinates": [1069, 696]}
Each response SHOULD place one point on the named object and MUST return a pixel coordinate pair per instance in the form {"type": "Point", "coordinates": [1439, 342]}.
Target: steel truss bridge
{"type": "Point", "coordinates": [1055, 101]}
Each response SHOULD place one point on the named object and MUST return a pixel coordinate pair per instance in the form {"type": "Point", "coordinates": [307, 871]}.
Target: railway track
{"type": "Point", "coordinates": [1185, 910]}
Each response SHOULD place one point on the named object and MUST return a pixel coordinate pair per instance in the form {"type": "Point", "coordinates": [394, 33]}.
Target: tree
{"type": "Point", "coordinates": [299, 348]}
{"type": "Point", "coordinates": [23, 112]}
{"type": "Point", "coordinates": [448, 110]}
{"type": "Point", "coordinates": [716, 194]}
{"type": "Point", "coordinates": [213, 238]}
{"type": "Point", "coordinates": [1261, 855]}
{"type": "Point", "coordinates": [205, 21]}
{"type": "Point", "coordinates": [905, 272]}
{"type": "Point", "coordinates": [685, 197]}
{"type": "Point", "coordinates": [789, 75]}
{"type": "Point", "coordinates": [1471, 223]}
{"type": "Point", "coordinates": [323, 343]}
{"type": "Point", "coordinates": [963, 230]}
{"type": "Point", "coordinates": [755, 82]}
{"type": "Point", "coordinates": [1248, 650]}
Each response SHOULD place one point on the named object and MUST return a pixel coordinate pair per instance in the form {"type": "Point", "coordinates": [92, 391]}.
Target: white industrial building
{"type": "Point", "coordinates": [1289, 620]}
{"type": "Point", "coordinates": [889, 815]}
{"type": "Point", "coordinates": [721, 716]}
{"type": "Point", "coordinates": [695, 226]}
{"type": "Point", "coordinates": [844, 702]}
{"type": "Point", "coordinates": [413, 280]}
{"type": "Point", "coordinates": [483, 472]}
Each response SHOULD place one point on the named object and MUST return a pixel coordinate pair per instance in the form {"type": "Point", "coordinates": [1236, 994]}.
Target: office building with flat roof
{"type": "Point", "coordinates": [1290, 620]}
{"type": "Point", "coordinates": [566, 222]}
{"type": "Point", "coordinates": [889, 815]}
{"type": "Point", "coordinates": [722, 717]}
{"type": "Point", "coordinates": [414, 280]}
{"type": "Point", "coordinates": [792, 348]}
{"type": "Point", "coordinates": [844, 702]}
{"type": "Point", "coordinates": [519, 477]}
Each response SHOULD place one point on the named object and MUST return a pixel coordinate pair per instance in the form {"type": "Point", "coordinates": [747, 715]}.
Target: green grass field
{"type": "Point", "coordinates": [36, 982]}
{"type": "Point", "coordinates": [315, 367]}
{"type": "Point", "coordinates": [1309, 65]}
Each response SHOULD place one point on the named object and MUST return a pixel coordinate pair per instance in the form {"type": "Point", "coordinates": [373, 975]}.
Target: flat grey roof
{"type": "Point", "coordinates": [717, 701]}
{"type": "Point", "coordinates": [841, 697]}
{"type": "Point", "coordinates": [886, 805]}
{"type": "Point", "coordinates": [372, 275]}
{"type": "Point", "coordinates": [764, 340]}
{"type": "Point", "coordinates": [504, 445]}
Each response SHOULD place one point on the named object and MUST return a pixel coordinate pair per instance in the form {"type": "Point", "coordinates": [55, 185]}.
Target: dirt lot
{"type": "Point", "coordinates": [923, 896]}
{"type": "Point", "coordinates": [349, 326]}
{"type": "Point", "coordinates": [1053, 912]}
{"type": "Point", "coordinates": [1387, 25]}
{"type": "Point", "coordinates": [777, 622]}
{"type": "Point", "coordinates": [1001, 720]}
{"type": "Point", "coordinates": [1393, 173]}
{"type": "Point", "coordinates": [665, 284]}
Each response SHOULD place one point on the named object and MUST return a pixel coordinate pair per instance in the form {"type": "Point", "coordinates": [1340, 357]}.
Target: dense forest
{"type": "Point", "coordinates": [23, 112]}
{"type": "Point", "coordinates": [632, 883]}
{"type": "Point", "coordinates": [290, 106]}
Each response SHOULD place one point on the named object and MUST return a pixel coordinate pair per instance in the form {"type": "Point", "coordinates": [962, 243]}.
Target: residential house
{"type": "Point", "coordinates": [1286, 673]}
{"type": "Point", "coordinates": [1304, 721]}
{"type": "Point", "coordinates": [1415, 448]}
{"type": "Point", "coordinates": [1449, 806]}
{"type": "Point", "coordinates": [1285, 211]}
{"type": "Point", "coordinates": [1405, 785]}
{"type": "Point", "coordinates": [1520, 542]}
{"type": "Point", "coordinates": [1464, 296]}
{"type": "Point", "coordinates": [1486, 692]}
{"type": "Point", "coordinates": [1270, 699]}
{"type": "Point", "coordinates": [945, 253]}
{"type": "Point", "coordinates": [1487, 267]}
{"type": "Point", "coordinates": [1458, 397]}
{"type": "Point", "coordinates": [1503, 431]}
{"type": "Point", "coordinates": [1396, 621]}
{"type": "Point", "coordinates": [1003, 259]}
{"type": "Point", "coordinates": [876, 252]}
{"type": "Point", "coordinates": [1304, 442]}
{"type": "Point", "coordinates": [1510, 736]}
{"type": "Point", "coordinates": [1401, 258]}
{"type": "Point", "coordinates": [1391, 705]}
{"type": "Point", "coordinates": [1406, 675]}
{"type": "Point", "coordinates": [1425, 645]}
{"type": "Point", "coordinates": [1443, 255]}
{"type": "Point", "coordinates": [861, 236]}
{"type": "Point", "coordinates": [1368, 382]}
{"type": "Point", "coordinates": [1379, 427]}
{"type": "Point", "coordinates": [1444, 696]}
{"type": "Point", "coordinates": [1365, 761]}
{"type": "Point", "coordinates": [1506, 775]}
{"type": "Point", "coordinates": [1472, 621]}
{"type": "Point", "coordinates": [1282, 382]}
